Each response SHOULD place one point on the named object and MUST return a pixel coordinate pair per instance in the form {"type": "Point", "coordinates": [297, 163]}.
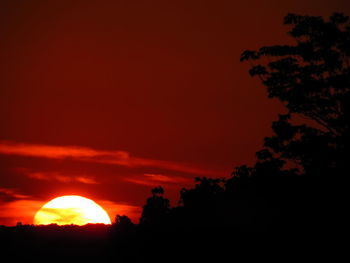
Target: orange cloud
{"type": "Point", "coordinates": [85, 180]}
{"type": "Point", "coordinates": [156, 179]}
{"type": "Point", "coordinates": [17, 207]}
{"type": "Point", "coordinates": [57, 152]}
{"type": "Point", "coordinates": [19, 211]}
{"type": "Point", "coordinates": [12, 193]}
{"type": "Point", "coordinates": [55, 176]}
{"type": "Point", "coordinates": [121, 158]}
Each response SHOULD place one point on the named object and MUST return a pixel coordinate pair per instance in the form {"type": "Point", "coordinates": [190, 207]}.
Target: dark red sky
{"type": "Point", "coordinates": [109, 98]}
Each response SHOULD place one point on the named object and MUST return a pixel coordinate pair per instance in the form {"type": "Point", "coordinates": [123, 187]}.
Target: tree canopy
{"type": "Point", "coordinates": [312, 79]}
{"type": "Point", "coordinates": [298, 177]}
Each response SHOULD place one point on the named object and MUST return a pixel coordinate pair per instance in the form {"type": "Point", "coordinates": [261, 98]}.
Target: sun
{"type": "Point", "coordinates": [71, 209]}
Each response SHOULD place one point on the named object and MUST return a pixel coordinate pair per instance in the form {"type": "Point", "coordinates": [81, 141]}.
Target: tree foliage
{"type": "Point", "coordinates": [156, 209]}
{"type": "Point", "coordinates": [312, 79]}
{"type": "Point", "coordinates": [297, 178]}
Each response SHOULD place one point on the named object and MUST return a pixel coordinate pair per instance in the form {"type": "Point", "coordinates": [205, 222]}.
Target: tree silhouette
{"type": "Point", "coordinates": [123, 222]}
{"type": "Point", "coordinates": [201, 205]}
{"type": "Point", "coordinates": [302, 166]}
{"type": "Point", "coordinates": [156, 210]}
{"type": "Point", "coordinates": [122, 230]}
{"type": "Point", "coordinates": [312, 79]}
{"type": "Point", "coordinates": [157, 191]}
{"type": "Point", "coordinates": [296, 182]}
{"type": "Point", "coordinates": [206, 191]}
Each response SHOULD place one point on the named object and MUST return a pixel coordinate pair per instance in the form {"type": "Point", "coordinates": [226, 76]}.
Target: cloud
{"type": "Point", "coordinates": [120, 158]}
{"type": "Point", "coordinates": [85, 180]}
{"type": "Point", "coordinates": [156, 179]}
{"type": "Point", "coordinates": [58, 152]}
{"type": "Point", "coordinates": [17, 207]}
{"type": "Point", "coordinates": [18, 211]}
{"type": "Point", "coordinates": [11, 194]}
{"type": "Point", "coordinates": [59, 177]}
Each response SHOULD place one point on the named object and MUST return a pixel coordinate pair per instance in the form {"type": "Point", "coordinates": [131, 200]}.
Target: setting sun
{"type": "Point", "coordinates": [71, 209]}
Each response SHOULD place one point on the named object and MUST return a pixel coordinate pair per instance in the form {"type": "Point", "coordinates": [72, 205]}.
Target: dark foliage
{"type": "Point", "coordinates": [156, 210]}
{"type": "Point", "coordinates": [309, 160]}
{"type": "Point", "coordinates": [298, 179]}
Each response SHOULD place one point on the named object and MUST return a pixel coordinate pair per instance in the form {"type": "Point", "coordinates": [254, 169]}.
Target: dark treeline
{"type": "Point", "coordinates": [294, 193]}
{"type": "Point", "coordinates": [298, 182]}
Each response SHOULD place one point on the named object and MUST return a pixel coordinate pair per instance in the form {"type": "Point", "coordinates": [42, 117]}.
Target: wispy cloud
{"type": "Point", "coordinates": [121, 158]}
{"type": "Point", "coordinates": [16, 207]}
{"type": "Point", "coordinates": [156, 179]}
{"type": "Point", "coordinates": [59, 152]}
{"type": "Point", "coordinates": [11, 193]}
{"type": "Point", "coordinates": [22, 210]}
{"type": "Point", "coordinates": [59, 177]}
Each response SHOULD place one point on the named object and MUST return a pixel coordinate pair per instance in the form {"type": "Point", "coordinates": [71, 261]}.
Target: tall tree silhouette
{"type": "Point", "coordinates": [156, 210]}
{"type": "Point", "coordinates": [312, 79]}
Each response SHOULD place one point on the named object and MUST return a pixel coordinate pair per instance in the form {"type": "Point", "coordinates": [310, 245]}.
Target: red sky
{"type": "Point", "coordinates": [107, 99]}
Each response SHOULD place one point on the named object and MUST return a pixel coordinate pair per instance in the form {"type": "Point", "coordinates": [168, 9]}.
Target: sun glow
{"type": "Point", "coordinates": [71, 209]}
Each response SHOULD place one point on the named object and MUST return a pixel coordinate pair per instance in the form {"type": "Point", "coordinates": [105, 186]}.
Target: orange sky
{"type": "Point", "coordinates": [107, 99]}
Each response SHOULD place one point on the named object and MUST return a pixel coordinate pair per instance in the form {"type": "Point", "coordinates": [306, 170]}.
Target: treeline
{"type": "Point", "coordinates": [298, 182]}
